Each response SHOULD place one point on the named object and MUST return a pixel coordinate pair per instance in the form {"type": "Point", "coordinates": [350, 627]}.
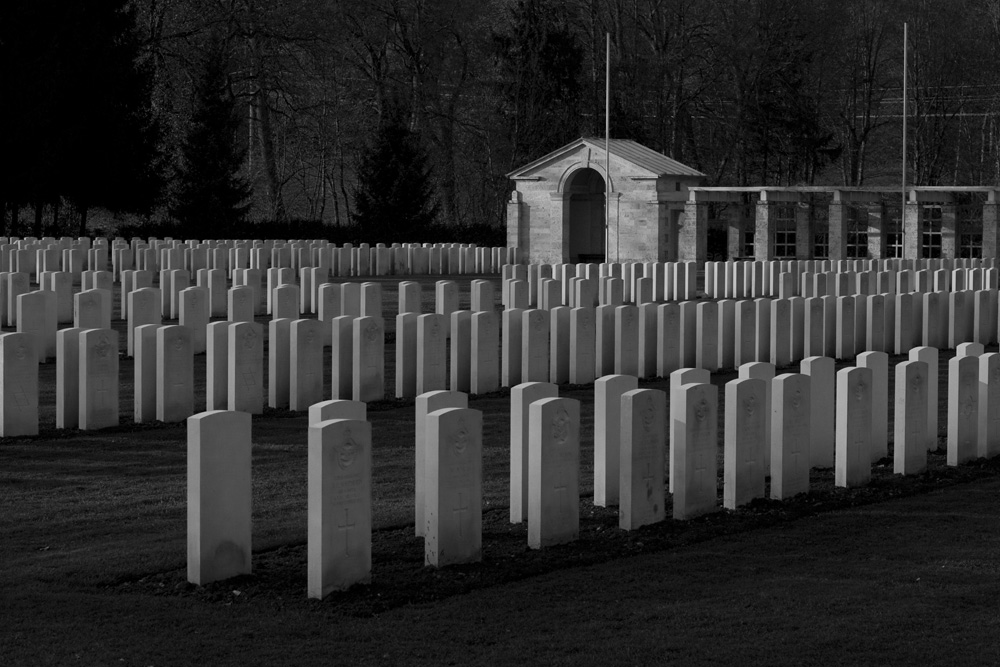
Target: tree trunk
{"type": "Point", "coordinates": [37, 229]}
{"type": "Point", "coordinates": [265, 136]}
{"type": "Point", "coordinates": [82, 209]}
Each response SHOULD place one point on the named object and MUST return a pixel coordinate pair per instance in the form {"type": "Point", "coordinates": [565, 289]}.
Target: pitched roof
{"type": "Point", "coordinates": [646, 158]}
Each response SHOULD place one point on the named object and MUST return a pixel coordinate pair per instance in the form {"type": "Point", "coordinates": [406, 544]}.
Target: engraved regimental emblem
{"type": "Point", "coordinates": [460, 440]}
{"type": "Point", "coordinates": [560, 427]}
{"type": "Point", "coordinates": [250, 339]}
{"type": "Point", "coordinates": [701, 410]}
{"type": "Point", "coordinates": [750, 405]}
{"type": "Point", "coordinates": [348, 450]}
{"type": "Point", "coordinates": [648, 414]}
{"type": "Point", "coordinates": [371, 332]}
{"type": "Point", "coordinates": [103, 347]}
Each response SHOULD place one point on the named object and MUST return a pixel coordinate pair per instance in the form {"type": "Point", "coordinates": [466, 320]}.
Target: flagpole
{"type": "Point", "coordinates": [607, 150]}
{"type": "Point", "coordinates": [902, 212]}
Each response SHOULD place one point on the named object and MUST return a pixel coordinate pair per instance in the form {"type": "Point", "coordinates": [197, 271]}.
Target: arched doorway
{"type": "Point", "coordinates": [585, 199]}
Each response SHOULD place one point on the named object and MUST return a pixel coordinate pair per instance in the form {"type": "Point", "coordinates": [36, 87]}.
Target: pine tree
{"type": "Point", "coordinates": [394, 199]}
{"type": "Point", "coordinates": [211, 193]}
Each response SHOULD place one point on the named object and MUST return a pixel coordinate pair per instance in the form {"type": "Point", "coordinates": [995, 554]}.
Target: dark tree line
{"type": "Point", "coordinates": [323, 94]}
{"type": "Point", "coordinates": [77, 115]}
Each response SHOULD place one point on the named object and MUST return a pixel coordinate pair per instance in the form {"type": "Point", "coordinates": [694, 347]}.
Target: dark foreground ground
{"type": "Point", "coordinates": [901, 572]}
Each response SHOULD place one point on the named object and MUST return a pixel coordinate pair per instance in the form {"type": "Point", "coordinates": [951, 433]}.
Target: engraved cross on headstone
{"type": "Point", "coordinates": [346, 528]}
{"type": "Point", "coordinates": [460, 509]}
{"type": "Point", "coordinates": [561, 488]}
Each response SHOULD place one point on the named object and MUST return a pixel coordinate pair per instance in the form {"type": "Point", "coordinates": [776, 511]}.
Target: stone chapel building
{"type": "Point", "coordinates": [556, 214]}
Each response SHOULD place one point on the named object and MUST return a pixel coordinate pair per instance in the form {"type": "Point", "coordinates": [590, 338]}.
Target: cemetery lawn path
{"type": "Point", "coordinates": [914, 580]}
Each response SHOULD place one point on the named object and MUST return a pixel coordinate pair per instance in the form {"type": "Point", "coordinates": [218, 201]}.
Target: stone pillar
{"type": "Point", "coordinates": [837, 229]}
{"type": "Point", "coordinates": [517, 227]}
{"type": "Point", "coordinates": [692, 236]}
{"type": "Point", "coordinates": [912, 229]}
{"type": "Point", "coordinates": [734, 233]}
{"type": "Point", "coordinates": [803, 231]}
{"type": "Point", "coordinates": [876, 231]}
{"type": "Point", "coordinates": [763, 240]}
{"type": "Point", "coordinates": [991, 238]}
{"type": "Point", "coordinates": [949, 231]}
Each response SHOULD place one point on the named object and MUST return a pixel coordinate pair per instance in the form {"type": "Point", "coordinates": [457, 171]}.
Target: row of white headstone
{"type": "Point", "coordinates": [344, 261]}
{"type": "Point", "coordinates": [785, 278]}
{"type": "Point", "coordinates": [580, 344]}
{"type": "Point", "coordinates": [548, 286]}
{"type": "Point", "coordinates": [772, 429]}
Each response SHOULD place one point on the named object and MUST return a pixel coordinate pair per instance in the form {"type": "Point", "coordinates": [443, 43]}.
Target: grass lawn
{"type": "Point", "coordinates": [92, 546]}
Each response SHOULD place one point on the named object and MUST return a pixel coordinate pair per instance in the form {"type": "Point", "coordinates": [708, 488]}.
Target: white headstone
{"type": "Point", "coordinates": [18, 385]}
{"type": "Point", "coordinates": [174, 373]}
{"type": "Point", "coordinates": [743, 460]}
{"type": "Point", "coordinates": [929, 356]}
{"type": "Point", "coordinates": [426, 403]}
{"type": "Point", "coordinates": [339, 552]}
{"type": "Point", "coordinates": [369, 359]}
{"type": "Point", "coordinates": [406, 355]}
{"type": "Point", "coordinates": [510, 338]}
{"type": "Point", "coordinates": [460, 368]}
{"type": "Point", "coordinates": [853, 465]}
{"type": "Point", "coordinates": [963, 410]}
{"type": "Point", "coordinates": [241, 304]}
{"type": "Point", "coordinates": [432, 331]}
{"type": "Point", "coordinates": [144, 384]}
{"type": "Point", "coordinates": [559, 350]}
{"type": "Point", "coordinates": [68, 378]}
{"type": "Point", "coordinates": [279, 374]}
{"type": "Point", "coordinates": [604, 348]}
{"type": "Point", "coordinates": [98, 384]}
{"type": "Point", "coordinates": [643, 433]}
{"type": "Point", "coordinates": [679, 378]}
{"type": "Point", "coordinates": [194, 314]}
{"type": "Point", "coordinates": [217, 366]}
{"type": "Point", "coordinates": [218, 496]}
{"type": "Point", "coordinates": [305, 381]}
{"type": "Point", "coordinates": [910, 427]}
{"type": "Point", "coordinates": [694, 450]}
{"type": "Point", "coordinates": [878, 362]}
{"type": "Point", "coordinates": [627, 340]}
{"type": "Point", "coordinates": [36, 315]}
{"type": "Point", "coordinates": [791, 408]}
{"type": "Point", "coordinates": [608, 392]}
{"type": "Point", "coordinates": [484, 374]}
{"type": "Point", "coordinates": [553, 472]}
{"type": "Point", "coordinates": [337, 408]}
{"type": "Point", "coordinates": [453, 487]}
{"type": "Point", "coordinates": [822, 419]}
{"type": "Point", "coordinates": [668, 355]}
{"type": "Point", "coordinates": [535, 346]}
{"type": "Point", "coordinates": [989, 405]}
{"type": "Point", "coordinates": [762, 371]}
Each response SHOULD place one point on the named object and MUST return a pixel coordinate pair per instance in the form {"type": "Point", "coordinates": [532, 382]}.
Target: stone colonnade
{"type": "Point", "coordinates": [765, 223]}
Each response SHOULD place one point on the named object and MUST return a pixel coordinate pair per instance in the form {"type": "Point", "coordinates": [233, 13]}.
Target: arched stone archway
{"type": "Point", "coordinates": [584, 202]}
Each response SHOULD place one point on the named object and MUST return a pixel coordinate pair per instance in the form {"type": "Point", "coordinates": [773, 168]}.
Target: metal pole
{"type": "Point", "coordinates": [902, 211]}
{"type": "Point", "coordinates": [607, 150]}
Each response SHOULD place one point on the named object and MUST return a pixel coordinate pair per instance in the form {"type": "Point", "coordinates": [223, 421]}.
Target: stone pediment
{"type": "Point", "coordinates": [642, 162]}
